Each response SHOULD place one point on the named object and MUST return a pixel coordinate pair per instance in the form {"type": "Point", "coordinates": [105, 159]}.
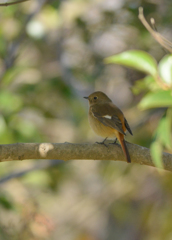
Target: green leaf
{"type": "Point", "coordinates": [156, 99]}
{"type": "Point", "coordinates": [164, 130]}
{"type": "Point", "coordinates": [10, 102]}
{"type": "Point", "coordinates": [156, 153]}
{"type": "Point", "coordinates": [165, 69]}
{"type": "Point", "coordinates": [6, 203]}
{"type": "Point", "coordinates": [38, 178]}
{"type": "Point", "coordinates": [136, 59]}
{"type": "Point", "coordinates": [11, 73]}
{"type": "Point", "coordinates": [145, 84]}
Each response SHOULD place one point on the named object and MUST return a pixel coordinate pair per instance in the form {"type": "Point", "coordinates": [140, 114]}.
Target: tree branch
{"type": "Point", "coordinates": [12, 3]}
{"type": "Point", "coordinates": [69, 151]}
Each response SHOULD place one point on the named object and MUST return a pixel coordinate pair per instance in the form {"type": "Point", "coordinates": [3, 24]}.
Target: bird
{"type": "Point", "coordinates": [107, 120]}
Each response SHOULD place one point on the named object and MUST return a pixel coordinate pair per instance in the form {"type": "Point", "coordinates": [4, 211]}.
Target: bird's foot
{"type": "Point", "coordinates": [115, 142]}
{"type": "Point", "coordinates": [103, 143]}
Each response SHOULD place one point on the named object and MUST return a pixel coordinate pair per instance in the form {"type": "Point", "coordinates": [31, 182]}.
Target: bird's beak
{"type": "Point", "coordinates": [86, 97]}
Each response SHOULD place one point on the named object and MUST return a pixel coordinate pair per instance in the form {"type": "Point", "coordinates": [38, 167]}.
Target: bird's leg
{"type": "Point", "coordinates": [103, 142]}
{"type": "Point", "coordinates": [115, 142]}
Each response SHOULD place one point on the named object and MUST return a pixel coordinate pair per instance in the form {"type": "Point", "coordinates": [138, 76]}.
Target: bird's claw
{"type": "Point", "coordinates": [115, 142]}
{"type": "Point", "coordinates": [102, 143]}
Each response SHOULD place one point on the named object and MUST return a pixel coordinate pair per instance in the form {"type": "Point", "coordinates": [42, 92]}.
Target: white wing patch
{"type": "Point", "coordinates": [107, 116]}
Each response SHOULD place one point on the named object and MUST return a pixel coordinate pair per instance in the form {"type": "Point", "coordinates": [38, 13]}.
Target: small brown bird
{"type": "Point", "coordinates": [107, 120]}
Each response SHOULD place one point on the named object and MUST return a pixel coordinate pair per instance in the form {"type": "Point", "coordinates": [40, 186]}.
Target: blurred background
{"type": "Point", "coordinates": [51, 56]}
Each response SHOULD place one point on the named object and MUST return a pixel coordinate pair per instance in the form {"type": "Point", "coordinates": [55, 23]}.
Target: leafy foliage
{"type": "Point", "coordinates": [157, 97]}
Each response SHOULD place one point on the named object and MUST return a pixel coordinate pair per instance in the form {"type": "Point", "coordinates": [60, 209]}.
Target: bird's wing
{"type": "Point", "coordinates": [108, 115]}
{"type": "Point", "coordinates": [127, 126]}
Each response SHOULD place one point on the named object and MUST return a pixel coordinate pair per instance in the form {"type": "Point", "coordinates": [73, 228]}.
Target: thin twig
{"type": "Point", "coordinates": [12, 3]}
{"type": "Point", "coordinates": [13, 48]}
{"type": "Point", "coordinates": [152, 20]}
{"type": "Point", "coordinates": [158, 37]}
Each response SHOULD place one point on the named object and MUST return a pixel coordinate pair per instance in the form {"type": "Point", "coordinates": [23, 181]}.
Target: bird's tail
{"type": "Point", "coordinates": [124, 147]}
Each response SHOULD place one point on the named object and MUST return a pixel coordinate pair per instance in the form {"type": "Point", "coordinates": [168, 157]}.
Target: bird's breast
{"type": "Point", "coordinates": [99, 128]}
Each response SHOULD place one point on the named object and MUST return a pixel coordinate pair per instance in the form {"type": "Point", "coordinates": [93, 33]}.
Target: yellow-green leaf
{"type": "Point", "coordinates": [156, 99]}
{"type": "Point", "coordinates": [145, 84]}
{"type": "Point", "coordinates": [156, 153]}
{"type": "Point", "coordinates": [136, 59]}
{"type": "Point", "coordinates": [165, 69]}
{"type": "Point", "coordinates": [164, 130]}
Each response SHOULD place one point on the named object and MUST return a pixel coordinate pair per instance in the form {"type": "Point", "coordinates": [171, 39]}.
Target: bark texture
{"type": "Point", "coordinates": [69, 151]}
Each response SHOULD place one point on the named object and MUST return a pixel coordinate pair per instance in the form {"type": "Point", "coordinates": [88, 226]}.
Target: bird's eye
{"type": "Point", "coordinates": [95, 98]}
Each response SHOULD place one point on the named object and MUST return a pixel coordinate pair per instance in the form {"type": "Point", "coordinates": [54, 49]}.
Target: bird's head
{"type": "Point", "coordinates": [97, 97]}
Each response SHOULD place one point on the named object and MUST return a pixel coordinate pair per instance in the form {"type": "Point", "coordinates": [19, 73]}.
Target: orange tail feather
{"type": "Point", "coordinates": [124, 147]}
